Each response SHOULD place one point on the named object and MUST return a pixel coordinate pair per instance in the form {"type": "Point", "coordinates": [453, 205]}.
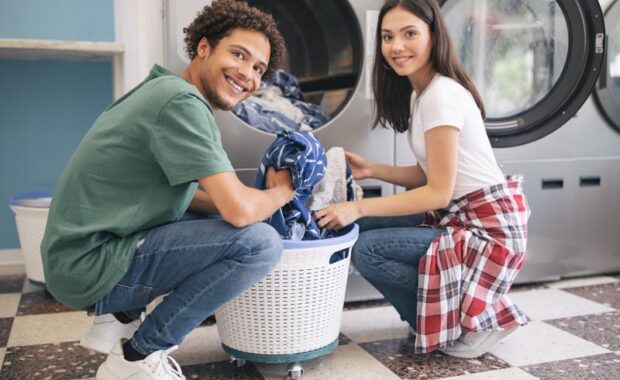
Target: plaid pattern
{"type": "Point", "coordinates": [467, 270]}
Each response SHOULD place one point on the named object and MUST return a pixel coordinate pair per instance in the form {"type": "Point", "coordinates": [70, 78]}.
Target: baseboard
{"type": "Point", "coordinates": [11, 257]}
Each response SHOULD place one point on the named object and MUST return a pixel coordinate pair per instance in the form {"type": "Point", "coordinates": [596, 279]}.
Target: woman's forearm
{"type": "Point", "coordinates": [409, 177]}
{"type": "Point", "coordinates": [410, 202]}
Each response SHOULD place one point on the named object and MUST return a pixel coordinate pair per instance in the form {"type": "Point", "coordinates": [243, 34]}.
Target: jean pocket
{"type": "Point", "coordinates": [124, 298]}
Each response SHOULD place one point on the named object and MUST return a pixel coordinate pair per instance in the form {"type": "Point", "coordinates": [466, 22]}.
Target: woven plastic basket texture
{"type": "Point", "coordinates": [298, 307]}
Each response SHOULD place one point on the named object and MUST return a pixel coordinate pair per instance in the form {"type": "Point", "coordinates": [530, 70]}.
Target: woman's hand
{"type": "Point", "coordinates": [360, 167]}
{"type": "Point", "coordinates": [337, 216]}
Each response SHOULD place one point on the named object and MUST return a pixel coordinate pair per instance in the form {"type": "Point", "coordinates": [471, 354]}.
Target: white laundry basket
{"type": "Point", "coordinates": [294, 313]}
{"type": "Point", "coordinates": [31, 211]}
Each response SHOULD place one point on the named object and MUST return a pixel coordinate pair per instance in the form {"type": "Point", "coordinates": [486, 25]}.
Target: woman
{"type": "Point", "coordinates": [463, 259]}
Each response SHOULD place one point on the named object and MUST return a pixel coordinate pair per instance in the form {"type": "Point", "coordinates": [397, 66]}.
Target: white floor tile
{"type": "Point", "coordinates": [202, 345]}
{"type": "Point", "coordinates": [585, 281]}
{"type": "Point", "coordinates": [12, 269]}
{"type": "Point", "coordinates": [539, 342]}
{"type": "Point", "coordinates": [369, 325]}
{"type": "Point", "coordinates": [544, 304]}
{"type": "Point", "coordinates": [8, 304]}
{"type": "Point", "coordinates": [49, 328]}
{"type": "Point", "coordinates": [501, 374]}
{"type": "Point", "coordinates": [347, 362]}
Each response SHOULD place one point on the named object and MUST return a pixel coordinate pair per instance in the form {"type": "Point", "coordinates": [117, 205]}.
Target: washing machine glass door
{"type": "Point", "coordinates": [607, 91]}
{"type": "Point", "coordinates": [534, 62]}
{"type": "Point", "coordinates": [324, 55]}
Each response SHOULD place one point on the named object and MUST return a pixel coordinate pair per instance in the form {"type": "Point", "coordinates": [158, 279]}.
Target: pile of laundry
{"type": "Point", "coordinates": [320, 179]}
{"type": "Point", "coordinates": [279, 106]}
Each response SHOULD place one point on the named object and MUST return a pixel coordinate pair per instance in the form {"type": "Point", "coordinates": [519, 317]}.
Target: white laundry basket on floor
{"type": "Point", "coordinates": [294, 313]}
{"type": "Point", "coordinates": [31, 211]}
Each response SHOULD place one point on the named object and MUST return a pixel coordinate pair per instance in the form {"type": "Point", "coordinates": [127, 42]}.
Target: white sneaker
{"type": "Point", "coordinates": [471, 345]}
{"type": "Point", "coordinates": [156, 366]}
{"type": "Point", "coordinates": [106, 331]}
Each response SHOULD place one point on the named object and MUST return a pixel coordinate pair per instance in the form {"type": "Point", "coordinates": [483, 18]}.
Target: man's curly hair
{"type": "Point", "coordinates": [218, 20]}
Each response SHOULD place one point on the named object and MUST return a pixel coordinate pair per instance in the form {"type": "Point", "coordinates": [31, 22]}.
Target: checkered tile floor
{"type": "Point", "coordinates": [574, 333]}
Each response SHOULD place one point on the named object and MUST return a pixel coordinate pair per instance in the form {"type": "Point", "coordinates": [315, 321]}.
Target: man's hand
{"type": "Point", "coordinates": [280, 179]}
{"type": "Point", "coordinates": [337, 216]}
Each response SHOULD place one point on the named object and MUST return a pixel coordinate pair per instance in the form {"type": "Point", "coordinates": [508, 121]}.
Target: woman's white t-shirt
{"type": "Point", "coordinates": [446, 102]}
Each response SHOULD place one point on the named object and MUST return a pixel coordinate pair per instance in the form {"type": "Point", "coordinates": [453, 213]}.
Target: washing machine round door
{"type": "Point", "coordinates": [534, 62]}
{"type": "Point", "coordinates": [607, 91]}
{"type": "Point", "coordinates": [324, 52]}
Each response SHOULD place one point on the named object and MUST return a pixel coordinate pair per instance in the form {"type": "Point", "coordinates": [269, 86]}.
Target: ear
{"type": "Point", "coordinates": [203, 49]}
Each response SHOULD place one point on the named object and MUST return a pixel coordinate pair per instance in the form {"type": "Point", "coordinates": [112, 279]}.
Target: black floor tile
{"type": "Point", "coordinates": [12, 283]}
{"type": "Point", "coordinates": [40, 302]}
{"type": "Point", "coordinates": [5, 330]}
{"type": "Point", "coordinates": [398, 355]}
{"type": "Point", "coordinates": [222, 371]}
{"type": "Point", "coordinates": [599, 367]}
{"type": "Point", "coordinates": [64, 361]}
{"type": "Point", "coordinates": [602, 329]}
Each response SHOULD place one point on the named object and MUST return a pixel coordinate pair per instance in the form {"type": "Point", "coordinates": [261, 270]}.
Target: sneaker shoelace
{"type": "Point", "coordinates": [167, 365]}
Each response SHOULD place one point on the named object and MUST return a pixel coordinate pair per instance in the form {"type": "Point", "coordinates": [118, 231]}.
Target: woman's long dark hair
{"type": "Point", "coordinates": [393, 92]}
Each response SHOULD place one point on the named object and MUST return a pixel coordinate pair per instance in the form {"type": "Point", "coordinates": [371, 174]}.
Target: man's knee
{"type": "Point", "coordinates": [263, 241]}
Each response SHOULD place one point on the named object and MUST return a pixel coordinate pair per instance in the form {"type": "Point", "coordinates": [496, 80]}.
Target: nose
{"type": "Point", "coordinates": [245, 71]}
{"type": "Point", "coordinates": [397, 44]}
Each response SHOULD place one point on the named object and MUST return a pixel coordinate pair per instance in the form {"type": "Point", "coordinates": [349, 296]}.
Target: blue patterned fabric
{"type": "Point", "coordinates": [272, 121]}
{"type": "Point", "coordinates": [261, 118]}
{"type": "Point", "coordinates": [287, 83]}
{"type": "Point", "coordinates": [304, 155]}
{"type": "Point", "coordinates": [315, 117]}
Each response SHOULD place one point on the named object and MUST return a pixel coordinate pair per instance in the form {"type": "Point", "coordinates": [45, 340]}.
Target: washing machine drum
{"type": "Point", "coordinates": [534, 62]}
{"type": "Point", "coordinates": [324, 48]}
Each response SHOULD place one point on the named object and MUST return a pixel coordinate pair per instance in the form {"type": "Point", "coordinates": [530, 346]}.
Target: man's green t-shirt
{"type": "Point", "coordinates": [136, 168]}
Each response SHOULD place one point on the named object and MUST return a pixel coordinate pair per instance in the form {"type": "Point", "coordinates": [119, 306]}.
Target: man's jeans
{"type": "Point", "coordinates": [201, 264]}
{"type": "Point", "coordinates": [387, 253]}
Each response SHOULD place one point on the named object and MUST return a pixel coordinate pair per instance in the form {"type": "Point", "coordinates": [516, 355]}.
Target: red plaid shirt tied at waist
{"type": "Point", "coordinates": [468, 269]}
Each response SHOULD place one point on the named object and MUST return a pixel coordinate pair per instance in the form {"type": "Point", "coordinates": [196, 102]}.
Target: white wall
{"type": "Point", "coordinates": [139, 25]}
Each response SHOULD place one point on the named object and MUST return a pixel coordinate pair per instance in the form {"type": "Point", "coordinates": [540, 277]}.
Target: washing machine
{"type": "Point", "coordinates": [535, 63]}
{"type": "Point", "coordinates": [597, 163]}
{"type": "Point", "coordinates": [330, 46]}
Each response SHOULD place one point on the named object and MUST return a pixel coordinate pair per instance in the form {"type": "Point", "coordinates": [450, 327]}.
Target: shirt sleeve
{"type": "Point", "coordinates": [441, 107]}
{"type": "Point", "coordinates": [186, 142]}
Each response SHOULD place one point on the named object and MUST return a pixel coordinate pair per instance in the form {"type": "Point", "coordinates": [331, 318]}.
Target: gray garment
{"type": "Point", "coordinates": [333, 187]}
{"type": "Point", "coordinates": [271, 98]}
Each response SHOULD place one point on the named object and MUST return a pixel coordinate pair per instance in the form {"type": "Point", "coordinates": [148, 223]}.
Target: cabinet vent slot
{"type": "Point", "coordinates": [589, 181]}
{"type": "Point", "coordinates": [552, 183]}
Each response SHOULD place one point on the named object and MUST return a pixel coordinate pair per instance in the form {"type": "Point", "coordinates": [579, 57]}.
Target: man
{"type": "Point", "coordinates": [118, 234]}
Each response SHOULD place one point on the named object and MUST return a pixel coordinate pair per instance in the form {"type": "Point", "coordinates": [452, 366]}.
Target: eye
{"type": "Point", "coordinates": [238, 54]}
{"type": "Point", "coordinates": [259, 70]}
{"type": "Point", "coordinates": [386, 37]}
{"type": "Point", "coordinates": [410, 33]}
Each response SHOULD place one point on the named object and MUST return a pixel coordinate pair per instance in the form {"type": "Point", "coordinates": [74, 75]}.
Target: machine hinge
{"type": "Point", "coordinates": [599, 43]}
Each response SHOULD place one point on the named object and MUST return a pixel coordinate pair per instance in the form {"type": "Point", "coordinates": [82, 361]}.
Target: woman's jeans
{"type": "Point", "coordinates": [201, 264]}
{"type": "Point", "coordinates": [387, 253]}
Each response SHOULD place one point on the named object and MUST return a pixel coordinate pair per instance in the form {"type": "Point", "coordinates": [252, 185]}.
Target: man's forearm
{"type": "Point", "coordinates": [263, 203]}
